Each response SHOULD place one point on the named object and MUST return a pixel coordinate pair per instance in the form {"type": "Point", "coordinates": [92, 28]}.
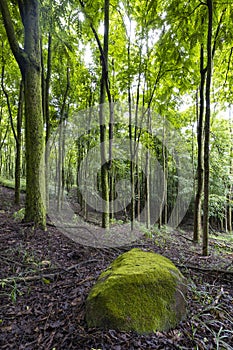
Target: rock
{"type": "Point", "coordinates": [140, 291]}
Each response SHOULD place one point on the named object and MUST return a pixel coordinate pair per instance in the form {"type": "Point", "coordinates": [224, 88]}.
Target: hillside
{"type": "Point", "coordinates": [45, 279]}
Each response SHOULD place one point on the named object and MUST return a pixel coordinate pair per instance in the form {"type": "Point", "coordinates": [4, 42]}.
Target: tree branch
{"type": "Point", "coordinates": [21, 10]}
{"type": "Point", "coordinates": [103, 59]}
{"type": "Point", "coordinates": [217, 33]}
{"type": "Point", "coordinates": [228, 66]}
{"type": "Point", "coordinates": [18, 53]}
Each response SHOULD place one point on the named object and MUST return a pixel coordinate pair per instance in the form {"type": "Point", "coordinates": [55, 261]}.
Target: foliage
{"type": "Point", "coordinates": [10, 183]}
{"type": "Point", "coordinates": [154, 56]}
{"type": "Point", "coordinates": [19, 215]}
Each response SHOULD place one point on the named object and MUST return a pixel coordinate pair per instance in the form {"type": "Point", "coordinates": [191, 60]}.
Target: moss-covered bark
{"type": "Point", "coordinates": [35, 204]}
{"type": "Point", "coordinates": [35, 176]}
{"type": "Point", "coordinates": [29, 61]}
{"type": "Point", "coordinates": [18, 144]}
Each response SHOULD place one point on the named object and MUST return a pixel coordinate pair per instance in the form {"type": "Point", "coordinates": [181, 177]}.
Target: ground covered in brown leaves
{"type": "Point", "coordinates": [45, 279]}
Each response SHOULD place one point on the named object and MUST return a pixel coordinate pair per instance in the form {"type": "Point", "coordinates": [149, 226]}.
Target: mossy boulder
{"type": "Point", "coordinates": [140, 291]}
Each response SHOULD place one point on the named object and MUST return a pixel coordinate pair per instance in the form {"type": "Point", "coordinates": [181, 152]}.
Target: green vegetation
{"type": "Point", "coordinates": [11, 184]}
{"type": "Point", "coordinates": [19, 215]}
{"type": "Point", "coordinates": [168, 63]}
{"type": "Point", "coordinates": [139, 291]}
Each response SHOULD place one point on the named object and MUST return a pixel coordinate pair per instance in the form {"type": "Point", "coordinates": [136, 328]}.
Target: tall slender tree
{"type": "Point", "coordinates": [29, 61]}
{"type": "Point", "coordinates": [207, 130]}
{"type": "Point", "coordinates": [200, 154]}
{"type": "Point", "coordinates": [102, 117]}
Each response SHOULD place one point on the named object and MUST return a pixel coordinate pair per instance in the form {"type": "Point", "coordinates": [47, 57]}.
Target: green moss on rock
{"type": "Point", "coordinates": [140, 291]}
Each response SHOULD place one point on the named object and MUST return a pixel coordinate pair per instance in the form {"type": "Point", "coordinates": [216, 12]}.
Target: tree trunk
{"type": "Point", "coordinates": [61, 143]}
{"type": "Point", "coordinates": [230, 187]}
{"type": "Point", "coordinates": [34, 138]}
{"type": "Point", "coordinates": [103, 137]}
{"type": "Point", "coordinates": [207, 131]}
{"type": "Point", "coordinates": [200, 155]}
{"type": "Point", "coordinates": [29, 61]}
{"type": "Point", "coordinates": [148, 176]}
{"type": "Point", "coordinates": [104, 87]}
{"type": "Point", "coordinates": [18, 144]}
{"type": "Point", "coordinates": [34, 142]}
{"type": "Point", "coordinates": [230, 198]}
{"type": "Point", "coordinates": [45, 86]}
{"type": "Point", "coordinates": [132, 146]}
{"type": "Point", "coordinates": [165, 176]}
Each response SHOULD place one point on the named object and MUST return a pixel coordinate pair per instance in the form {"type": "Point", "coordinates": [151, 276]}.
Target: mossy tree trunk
{"type": "Point", "coordinates": [34, 140]}
{"type": "Point", "coordinates": [18, 143]}
{"type": "Point", "coordinates": [29, 61]}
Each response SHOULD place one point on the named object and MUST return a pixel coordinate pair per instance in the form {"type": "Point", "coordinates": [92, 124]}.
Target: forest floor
{"type": "Point", "coordinates": [45, 278]}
